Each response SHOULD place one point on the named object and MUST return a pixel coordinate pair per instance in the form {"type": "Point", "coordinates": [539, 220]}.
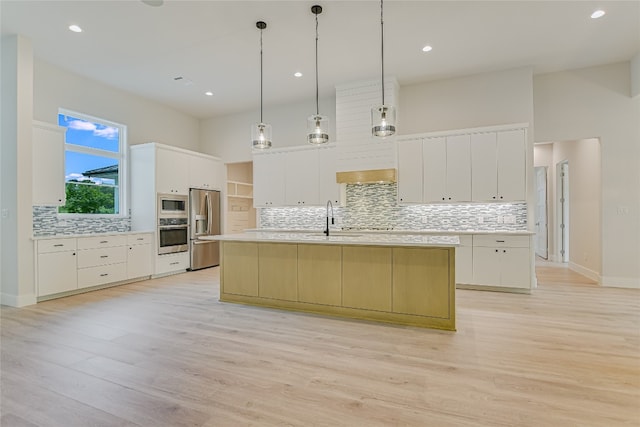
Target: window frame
{"type": "Point", "coordinates": [121, 156]}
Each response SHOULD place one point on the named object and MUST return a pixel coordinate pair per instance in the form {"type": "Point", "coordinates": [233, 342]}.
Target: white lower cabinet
{"type": "Point", "coordinates": [172, 263]}
{"type": "Point", "coordinates": [139, 247]}
{"type": "Point", "coordinates": [69, 264]}
{"type": "Point", "coordinates": [464, 260]}
{"type": "Point", "coordinates": [56, 266]}
{"type": "Point", "coordinates": [502, 261]}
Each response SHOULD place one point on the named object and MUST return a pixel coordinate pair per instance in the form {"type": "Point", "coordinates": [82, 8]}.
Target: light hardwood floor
{"type": "Point", "coordinates": [165, 352]}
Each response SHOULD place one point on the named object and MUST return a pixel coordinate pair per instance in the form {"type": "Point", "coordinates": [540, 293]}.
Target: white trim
{"type": "Point", "coordinates": [452, 132]}
{"type": "Point", "coordinates": [621, 282]}
{"type": "Point", "coordinates": [17, 300]}
{"type": "Point", "coordinates": [590, 274]}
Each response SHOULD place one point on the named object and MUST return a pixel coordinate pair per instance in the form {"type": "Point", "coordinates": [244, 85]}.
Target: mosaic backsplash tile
{"type": "Point", "coordinates": [373, 207]}
{"type": "Point", "coordinates": [46, 222]}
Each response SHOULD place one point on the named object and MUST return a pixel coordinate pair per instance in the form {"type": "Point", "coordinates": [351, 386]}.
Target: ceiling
{"type": "Point", "coordinates": [214, 45]}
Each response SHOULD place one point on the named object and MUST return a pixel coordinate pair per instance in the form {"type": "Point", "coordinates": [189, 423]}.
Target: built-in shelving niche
{"type": "Point", "coordinates": [241, 214]}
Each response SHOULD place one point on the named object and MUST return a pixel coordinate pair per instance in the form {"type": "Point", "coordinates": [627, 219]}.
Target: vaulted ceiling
{"type": "Point", "coordinates": [214, 45]}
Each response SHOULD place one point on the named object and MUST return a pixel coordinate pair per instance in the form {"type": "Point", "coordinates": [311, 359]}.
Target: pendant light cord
{"type": "Point", "coordinates": [317, 105]}
{"type": "Point", "coordinates": [261, 76]}
{"type": "Point", "coordinates": [382, 45]}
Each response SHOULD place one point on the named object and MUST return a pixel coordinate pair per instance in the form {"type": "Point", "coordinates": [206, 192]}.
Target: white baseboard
{"type": "Point", "coordinates": [17, 300]}
{"type": "Point", "coordinates": [621, 282]}
{"type": "Point", "coordinates": [590, 274]}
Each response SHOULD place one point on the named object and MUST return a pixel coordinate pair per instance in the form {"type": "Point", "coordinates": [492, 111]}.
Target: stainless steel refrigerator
{"type": "Point", "coordinates": [204, 219]}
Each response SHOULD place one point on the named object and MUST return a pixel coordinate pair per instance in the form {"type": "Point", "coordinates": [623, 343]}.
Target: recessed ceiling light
{"type": "Point", "coordinates": [427, 48]}
{"type": "Point", "coordinates": [209, 93]}
{"type": "Point", "coordinates": [75, 28]}
{"type": "Point", "coordinates": [298, 74]}
{"type": "Point", "coordinates": [598, 14]}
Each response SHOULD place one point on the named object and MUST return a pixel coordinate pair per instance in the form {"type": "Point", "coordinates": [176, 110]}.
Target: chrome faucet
{"type": "Point", "coordinates": [326, 231]}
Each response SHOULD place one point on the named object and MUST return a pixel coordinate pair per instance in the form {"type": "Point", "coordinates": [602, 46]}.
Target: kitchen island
{"type": "Point", "coordinates": [395, 278]}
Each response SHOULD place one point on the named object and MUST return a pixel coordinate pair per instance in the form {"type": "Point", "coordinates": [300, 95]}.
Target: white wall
{"type": "Point", "coordinates": [16, 272]}
{"type": "Point", "coordinates": [596, 102]}
{"type": "Point", "coordinates": [229, 137]}
{"type": "Point", "coordinates": [635, 75]}
{"type": "Point", "coordinates": [466, 102]}
{"type": "Point", "coordinates": [146, 121]}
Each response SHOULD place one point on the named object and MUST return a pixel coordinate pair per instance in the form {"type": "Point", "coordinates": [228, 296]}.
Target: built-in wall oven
{"type": "Point", "coordinates": [173, 224]}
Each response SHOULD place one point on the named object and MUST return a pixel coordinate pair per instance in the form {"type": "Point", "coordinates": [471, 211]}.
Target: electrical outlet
{"type": "Point", "coordinates": [480, 219]}
{"type": "Point", "coordinates": [623, 210]}
{"type": "Point", "coordinates": [425, 219]}
{"type": "Point", "coordinates": [5, 213]}
{"type": "Point", "coordinates": [509, 219]}
{"type": "Point", "coordinates": [500, 219]}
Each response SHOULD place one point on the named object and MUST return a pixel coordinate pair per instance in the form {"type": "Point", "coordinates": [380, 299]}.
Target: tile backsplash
{"type": "Point", "coordinates": [47, 222]}
{"type": "Point", "coordinates": [373, 207]}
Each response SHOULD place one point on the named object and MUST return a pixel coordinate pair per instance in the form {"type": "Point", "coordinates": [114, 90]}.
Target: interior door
{"type": "Point", "coordinates": [541, 213]}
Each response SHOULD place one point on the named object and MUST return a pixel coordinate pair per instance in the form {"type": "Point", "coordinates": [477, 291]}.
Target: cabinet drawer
{"type": "Point", "coordinates": [101, 256]}
{"type": "Point", "coordinates": [56, 245]}
{"type": "Point", "coordinates": [500, 240]}
{"type": "Point", "coordinates": [139, 239]}
{"type": "Point", "coordinates": [101, 242]}
{"type": "Point", "coordinates": [172, 263]}
{"type": "Point", "coordinates": [101, 275]}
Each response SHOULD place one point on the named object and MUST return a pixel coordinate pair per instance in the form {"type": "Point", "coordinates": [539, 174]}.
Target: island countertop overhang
{"type": "Point", "coordinates": [367, 239]}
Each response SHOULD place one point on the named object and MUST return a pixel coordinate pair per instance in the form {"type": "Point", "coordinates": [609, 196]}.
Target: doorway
{"type": "Point", "coordinates": [542, 233]}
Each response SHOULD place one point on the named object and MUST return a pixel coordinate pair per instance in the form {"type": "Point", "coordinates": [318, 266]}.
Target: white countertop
{"type": "Point", "coordinates": [342, 238]}
{"type": "Point", "coordinates": [74, 236]}
{"type": "Point", "coordinates": [403, 232]}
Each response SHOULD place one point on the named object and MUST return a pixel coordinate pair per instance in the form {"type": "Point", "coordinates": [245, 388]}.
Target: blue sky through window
{"type": "Point", "coordinates": [92, 135]}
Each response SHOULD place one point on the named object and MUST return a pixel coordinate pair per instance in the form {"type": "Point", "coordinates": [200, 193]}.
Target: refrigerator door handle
{"type": "Point", "coordinates": [209, 215]}
{"type": "Point", "coordinates": [203, 242]}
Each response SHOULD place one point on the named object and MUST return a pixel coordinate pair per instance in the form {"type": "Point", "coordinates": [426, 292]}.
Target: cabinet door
{"type": "Point", "coordinates": [486, 266]}
{"type": "Point", "coordinates": [204, 173]}
{"type": "Point", "coordinates": [319, 268]}
{"type": "Point", "coordinates": [239, 274]}
{"type": "Point", "coordinates": [57, 272]}
{"type": "Point", "coordinates": [268, 180]}
{"type": "Point", "coordinates": [172, 172]}
{"type": "Point", "coordinates": [515, 267]}
{"type": "Point", "coordinates": [301, 178]}
{"type": "Point", "coordinates": [48, 165]}
{"type": "Point", "coordinates": [410, 171]}
{"type": "Point", "coordinates": [484, 162]}
{"type": "Point", "coordinates": [421, 281]}
{"type": "Point", "coordinates": [138, 261]}
{"type": "Point", "coordinates": [464, 264]}
{"type": "Point", "coordinates": [434, 158]}
{"type": "Point", "coordinates": [458, 169]}
{"type": "Point", "coordinates": [511, 165]}
{"type": "Point", "coordinates": [278, 271]}
{"type": "Point", "coordinates": [328, 188]}
{"type": "Point", "coordinates": [367, 277]}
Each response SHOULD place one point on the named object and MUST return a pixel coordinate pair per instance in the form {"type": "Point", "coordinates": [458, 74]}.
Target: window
{"type": "Point", "coordinates": [94, 165]}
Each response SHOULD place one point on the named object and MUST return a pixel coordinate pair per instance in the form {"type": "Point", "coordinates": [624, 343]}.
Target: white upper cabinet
{"type": "Point", "coordinates": [172, 174]}
{"type": "Point", "coordinates": [434, 155]}
{"type": "Point", "coordinates": [498, 160]}
{"type": "Point", "coordinates": [410, 171]}
{"type": "Point", "coordinates": [205, 172]}
{"type": "Point", "coordinates": [269, 179]}
{"type": "Point", "coordinates": [512, 165]}
{"type": "Point", "coordinates": [328, 188]}
{"type": "Point", "coordinates": [48, 164]}
{"type": "Point", "coordinates": [458, 169]}
{"type": "Point", "coordinates": [301, 178]}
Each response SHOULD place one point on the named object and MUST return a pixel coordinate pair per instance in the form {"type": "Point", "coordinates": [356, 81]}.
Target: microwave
{"type": "Point", "coordinates": [173, 206]}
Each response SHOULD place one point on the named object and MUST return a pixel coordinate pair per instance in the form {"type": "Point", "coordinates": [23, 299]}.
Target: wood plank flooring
{"type": "Point", "coordinates": [166, 352]}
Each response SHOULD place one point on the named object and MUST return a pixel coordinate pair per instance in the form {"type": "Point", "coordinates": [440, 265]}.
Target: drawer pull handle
{"type": "Point", "coordinates": [500, 241]}
{"type": "Point", "coordinates": [104, 274]}
{"type": "Point", "coordinates": [140, 238]}
{"type": "Point", "coordinates": [104, 256]}
{"type": "Point", "coordinates": [104, 241]}
{"type": "Point", "coordinates": [174, 263]}
{"type": "Point", "coordinates": [58, 245]}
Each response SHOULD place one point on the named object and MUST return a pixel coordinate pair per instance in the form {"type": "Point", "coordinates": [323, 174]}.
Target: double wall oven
{"type": "Point", "coordinates": [173, 224]}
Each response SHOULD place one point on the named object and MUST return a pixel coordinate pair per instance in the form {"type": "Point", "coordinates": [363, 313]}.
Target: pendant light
{"type": "Point", "coordinates": [261, 132]}
{"type": "Point", "coordinates": [383, 117]}
{"type": "Point", "coordinates": [317, 125]}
